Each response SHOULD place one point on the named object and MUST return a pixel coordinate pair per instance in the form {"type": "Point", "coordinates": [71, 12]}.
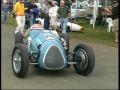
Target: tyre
{"type": "Point", "coordinates": [66, 38]}
{"type": "Point", "coordinates": [18, 38]}
{"type": "Point", "coordinates": [20, 60]}
{"type": "Point", "coordinates": [85, 58]}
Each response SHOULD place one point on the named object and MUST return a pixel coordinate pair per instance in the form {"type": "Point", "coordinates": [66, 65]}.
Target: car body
{"type": "Point", "coordinates": [52, 53]}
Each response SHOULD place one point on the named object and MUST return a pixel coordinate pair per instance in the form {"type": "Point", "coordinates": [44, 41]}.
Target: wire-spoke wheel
{"type": "Point", "coordinates": [20, 60]}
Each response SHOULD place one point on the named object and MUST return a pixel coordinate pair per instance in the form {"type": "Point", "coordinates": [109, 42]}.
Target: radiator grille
{"type": "Point", "coordinates": [54, 58]}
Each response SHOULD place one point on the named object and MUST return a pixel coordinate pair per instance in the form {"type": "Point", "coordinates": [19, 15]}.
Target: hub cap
{"type": "Point", "coordinates": [17, 60]}
{"type": "Point", "coordinates": [82, 58]}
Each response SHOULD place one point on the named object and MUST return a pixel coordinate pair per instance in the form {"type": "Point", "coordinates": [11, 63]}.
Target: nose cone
{"type": "Point", "coordinates": [54, 58]}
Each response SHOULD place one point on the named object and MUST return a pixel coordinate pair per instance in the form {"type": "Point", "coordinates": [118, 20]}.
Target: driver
{"type": "Point", "coordinates": [36, 25]}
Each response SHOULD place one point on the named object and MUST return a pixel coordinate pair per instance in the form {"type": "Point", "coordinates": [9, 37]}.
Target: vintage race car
{"type": "Point", "coordinates": [48, 50]}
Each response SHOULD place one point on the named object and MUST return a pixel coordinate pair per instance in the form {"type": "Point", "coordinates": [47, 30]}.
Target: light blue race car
{"type": "Point", "coordinates": [47, 50]}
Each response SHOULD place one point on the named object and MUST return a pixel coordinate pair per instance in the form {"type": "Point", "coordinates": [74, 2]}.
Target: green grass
{"type": "Point", "coordinates": [97, 35]}
{"type": "Point", "coordinates": [12, 21]}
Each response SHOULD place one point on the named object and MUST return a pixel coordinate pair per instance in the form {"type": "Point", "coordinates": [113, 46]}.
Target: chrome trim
{"type": "Point", "coordinates": [33, 63]}
{"type": "Point", "coordinates": [72, 62]}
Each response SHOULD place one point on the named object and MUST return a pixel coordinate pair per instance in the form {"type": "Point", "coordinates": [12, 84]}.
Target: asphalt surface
{"type": "Point", "coordinates": [104, 75]}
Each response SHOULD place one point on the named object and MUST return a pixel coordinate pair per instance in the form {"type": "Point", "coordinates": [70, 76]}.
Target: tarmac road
{"type": "Point", "coordinates": [104, 76]}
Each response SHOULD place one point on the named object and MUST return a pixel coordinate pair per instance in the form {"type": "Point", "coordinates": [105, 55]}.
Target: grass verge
{"type": "Point", "coordinates": [97, 35]}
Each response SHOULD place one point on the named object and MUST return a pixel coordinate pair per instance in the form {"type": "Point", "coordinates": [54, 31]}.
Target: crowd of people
{"type": "Point", "coordinates": [49, 10]}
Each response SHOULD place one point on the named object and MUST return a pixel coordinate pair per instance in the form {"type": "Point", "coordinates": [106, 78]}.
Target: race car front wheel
{"type": "Point", "coordinates": [85, 58]}
{"type": "Point", "coordinates": [20, 60]}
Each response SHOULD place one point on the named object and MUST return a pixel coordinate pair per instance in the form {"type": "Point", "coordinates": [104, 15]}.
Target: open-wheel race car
{"type": "Point", "coordinates": [49, 50]}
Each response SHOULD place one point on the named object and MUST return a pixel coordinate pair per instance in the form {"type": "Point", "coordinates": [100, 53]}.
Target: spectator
{"type": "Point", "coordinates": [36, 12]}
{"type": "Point", "coordinates": [32, 9]}
{"type": "Point", "coordinates": [63, 14]}
{"type": "Point", "coordinates": [45, 12]}
{"type": "Point", "coordinates": [39, 8]}
{"type": "Point", "coordinates": [4, 11]}
{"type": "Point", "coordinates": [114, 11]}
{"type": "Point", "coordinates": [38, 4]}
{"type": "Point", "coordinates": [19, 10]}
{"type": "Point", "coordinates": [53, 15]}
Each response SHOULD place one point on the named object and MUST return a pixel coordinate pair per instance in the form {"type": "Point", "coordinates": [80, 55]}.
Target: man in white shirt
{"type": "Point", "coordinates": [53, 15]}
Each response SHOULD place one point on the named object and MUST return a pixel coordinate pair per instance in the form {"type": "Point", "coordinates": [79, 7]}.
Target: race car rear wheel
{"type": "Point", "coordinates": [66, 38]}
{"type": "Point", "coordinates": [18, 38]}
{"type": "Point", "coordinates": [20, 60]}
{"type": "Point", "coordinates": [85, 58]}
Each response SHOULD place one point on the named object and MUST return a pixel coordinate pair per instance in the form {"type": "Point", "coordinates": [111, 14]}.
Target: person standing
{"type": "Point", "coordinates": [31, 11]}
{"type": "Point", "coordinates": [63, 14]}
{"type": "Point", "coordinates": [19, 11]}
{"type": "Point", "coordinates": [45, 12]}
{"type": "Point", "coordinates": [4, 11]}
{"type": "Point", "coordinates": [53, 15]}
{"type": "Point", "coordinates": [115, 18]}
